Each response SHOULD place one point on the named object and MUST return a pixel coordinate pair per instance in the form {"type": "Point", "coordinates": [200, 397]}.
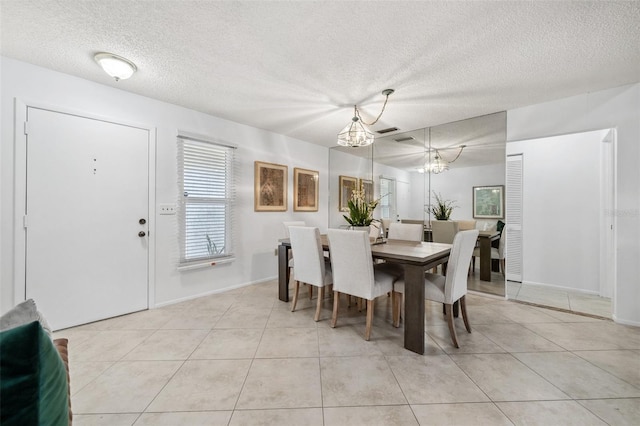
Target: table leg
{"type": "Point", "coordinates": [283, 273]}
{"type": "Point", "coordinates": [414, 308]}
{"type": "Point", "coordinates": [485, 259]}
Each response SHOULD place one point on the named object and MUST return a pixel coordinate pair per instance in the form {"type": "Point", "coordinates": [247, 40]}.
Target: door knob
{"type": "Point", "coordinates": [142, 221]}
{"type": "Point", "coordinates": [141, 234]}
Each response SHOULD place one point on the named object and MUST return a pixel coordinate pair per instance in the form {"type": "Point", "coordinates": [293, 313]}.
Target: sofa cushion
{"type": "Point", "coordinates": [23, 313]}
{"type": "Point", "coordinates": [33, 379]}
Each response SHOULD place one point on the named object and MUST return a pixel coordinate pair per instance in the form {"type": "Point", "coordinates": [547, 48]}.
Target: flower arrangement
{"type": "Point", "coordinates": [443, 208]}
{"type": "Point", "coordinates": [360, 212]}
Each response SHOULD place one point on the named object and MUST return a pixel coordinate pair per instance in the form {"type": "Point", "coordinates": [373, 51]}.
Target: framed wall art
{"type": "Point", "coordinates": [488, 202]}
{"type": "Point", "coordinates": [347, 185]}
{"type": "Point", "coordinates": [270, 187]}
{"type": "Point", "coordinates": [305, 190]}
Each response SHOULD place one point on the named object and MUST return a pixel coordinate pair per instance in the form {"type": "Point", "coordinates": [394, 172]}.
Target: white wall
{"type": "Point", "coordinates": [617, 108]}
{"type": "Point", "coordinates": [258, 232]}
{"type": "Point", "coordinates": [553, 224]}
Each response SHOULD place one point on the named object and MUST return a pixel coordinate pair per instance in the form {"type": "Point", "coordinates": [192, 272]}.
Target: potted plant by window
{"type": "Point", "coordinates": [360, 212]}
{"type": "Point", "coordinates": [442, 209]}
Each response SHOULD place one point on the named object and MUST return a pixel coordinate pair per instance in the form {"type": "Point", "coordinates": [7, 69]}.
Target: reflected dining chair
{"type": "Point", "coordinates": [405, 231]}
{"type": "Point", "coordinates": [466, 225]}
{"type": "Point", "coordinates": [311, 267]}
{"type": "Point", "coordinates": [443, 231]}
{"type": "Point", "coordinates": [496, 253]}
{"type": "Point", "coordinates": [445, 289]}
{"type": "Point", "coordinates": [354, 272]}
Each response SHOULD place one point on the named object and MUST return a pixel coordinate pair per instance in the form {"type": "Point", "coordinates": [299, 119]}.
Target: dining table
{"type": "Point", "coordinates": [415, 257]}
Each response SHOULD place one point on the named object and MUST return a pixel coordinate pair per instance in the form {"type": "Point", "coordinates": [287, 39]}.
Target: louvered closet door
{"type": "Point", "coordinates": [514, 217]}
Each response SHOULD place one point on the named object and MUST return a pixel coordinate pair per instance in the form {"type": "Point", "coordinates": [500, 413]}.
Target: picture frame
{"type": "Point", "coordinates": [366, 186]}
{"type": "Point", "coordinates": [346, 186]}
{"type": "Point", "coordinates": [270, 187]}
{"type": "Point", "coordinates": [488, 202]}
{"type": "Point", "coordinates": [305, 190]}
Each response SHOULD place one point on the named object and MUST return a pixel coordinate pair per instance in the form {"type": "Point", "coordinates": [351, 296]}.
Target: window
{"type": "Point", "coordinates": [206, 206]}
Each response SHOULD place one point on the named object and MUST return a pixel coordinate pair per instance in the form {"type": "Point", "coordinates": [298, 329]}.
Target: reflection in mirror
{"type": "Point", "coordinates": [399, 165]}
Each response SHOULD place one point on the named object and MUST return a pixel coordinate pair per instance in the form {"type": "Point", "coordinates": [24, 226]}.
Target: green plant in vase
{"type": "Point", "coordinates": [360, 212]}
{"type": "Point", "coordinates": [442, 209]}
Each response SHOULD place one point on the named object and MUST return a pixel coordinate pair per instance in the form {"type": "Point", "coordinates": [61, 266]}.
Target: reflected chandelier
{"type": "Point", "coordinates": [356, 133]}
{"type": "Point", "coordinates": [439, 164]}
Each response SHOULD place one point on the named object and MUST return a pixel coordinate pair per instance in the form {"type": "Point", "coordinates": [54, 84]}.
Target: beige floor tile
{"type": "Point", "coordinates": [302, 317]}
{"type": "Point", "coordinates": [191, 320]}
{"type": "Point", "coordinates": [346, 341]}
{"type": "Point", "coordinates": [523, 314]}
{"type": "Point", "coordinates": [566, 316]}
{"type": "Point", "coordinates": [517, 338]}
{"type": "Point", "coordinates": [545, 413]}
{"type": "Point", "coordinates": [469, 414]}
{"type": "Point", "coordinates": [289, 343]}
{"type": "Point", "coordinates": [599, 335]}
{"type": "Point", "coordinates": [472, 343]}
{"type": "Point", "coordinates": [390, 341]}
{"type": "Point", "coordinates": [216, 304]}
{"type": "Point", "coordinates": [108, 345]}
{"type": "Point", "coordinates": [229, 344]}
{"type": "Point", "coordinates": [202, 385]}
{"type": "Point", "coordinates": [353, 381]}
{"type": "Point", "coordinates": [76, 335]}
{"type": "Point", "coordinates": [504, 378]}
{"type": "Point", "coordinates": [282, 383]}
{"type": "Point", "coordinates": [126, 387]}
{"type": "Point", "coordinates": [369, 416]}
{"type": "Point", "coordinates": [104, 419]}
{"type": "Point", "coordinates": [434, 379]}
{"type": "Point", "coordinates": [277, 417]}
{"type": "Point", "coordinates": [201, 418]}
{"type": "Point", "coordinates": [84, 372]}
{"type": "Point", "coordinates": [485, 314]}
{"type": "Point", "coordinates": [619, 412]}
{"type": "Point", "coordinates": [144, 320]}
{"type": "Point", "coordinates": [244, 317]}
{"type": "Point", "coordinates": [576, 377]}
{"type": "Point", "coordinates": [623, 364]}
{"type": "Point", "coordinates": [167, 345]}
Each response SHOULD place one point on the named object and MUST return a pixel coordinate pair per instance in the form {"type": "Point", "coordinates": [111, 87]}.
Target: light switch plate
{"type": "Point", "coordinates": [167, 209]}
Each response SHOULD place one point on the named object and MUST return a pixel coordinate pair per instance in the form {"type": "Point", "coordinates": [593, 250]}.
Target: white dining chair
{"type": "Point", "coordinates": [443, 231]}
{"type": "Point", "coordinates": [311, 267]}
{"type": "Point", "coordinates": [496, 253]}
{"type": "Point", "coordinates": [445, 289]}
{"type": "Point", "coordinates": [405, 231]}
{"type": "Point", "coordinates": [354, 272]}
{"type": "Point", "coordinates": [290, 262]}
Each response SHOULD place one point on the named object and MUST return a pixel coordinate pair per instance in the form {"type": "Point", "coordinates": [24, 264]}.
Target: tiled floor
{"type": "Point", "coordinates": [242, 358]}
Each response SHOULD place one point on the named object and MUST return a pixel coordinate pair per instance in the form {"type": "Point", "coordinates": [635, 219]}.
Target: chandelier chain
{"type": "Point", "coordinates": [379, 115]}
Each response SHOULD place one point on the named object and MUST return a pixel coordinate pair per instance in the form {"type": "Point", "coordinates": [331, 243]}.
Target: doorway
{"type": "Point", "coordinates": [565, 244]}
{"type": "Point", "coordinates": [85, 217]}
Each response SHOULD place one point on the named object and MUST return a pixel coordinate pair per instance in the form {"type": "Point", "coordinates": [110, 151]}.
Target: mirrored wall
{"type": "Point", "coordinates": [401, 168]}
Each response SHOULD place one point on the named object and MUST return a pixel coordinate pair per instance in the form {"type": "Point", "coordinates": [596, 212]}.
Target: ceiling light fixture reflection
{"type": "Point", "coordinates": [439, 164]}
{"type": "Point", "coordinates": [116, 66]}
{"type": "Point", "coordinates": [356, 133]}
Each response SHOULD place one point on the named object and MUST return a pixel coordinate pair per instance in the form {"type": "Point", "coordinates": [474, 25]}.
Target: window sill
{"type": "Point", "coordinates": [205, 263]}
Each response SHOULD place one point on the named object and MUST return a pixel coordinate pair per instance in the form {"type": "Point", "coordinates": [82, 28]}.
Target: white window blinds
{"type": "Point", "coordinates": [207, 195]}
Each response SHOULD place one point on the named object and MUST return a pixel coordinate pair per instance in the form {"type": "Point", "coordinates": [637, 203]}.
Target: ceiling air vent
{"type": "Point", "coordinates": [388, 130]}
{"type": "Point", "coordinates": [405, 139]}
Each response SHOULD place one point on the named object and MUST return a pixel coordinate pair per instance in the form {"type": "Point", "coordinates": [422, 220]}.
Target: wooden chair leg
{"type": "Point", "coordinates": [503, 266]}
{"type": "Point", "coordinates": [396, 302]}
{"type": "Point", "coordinates": [367, 330]}
{"type": "Point", "coordinates": [463, 308]}
{"type": "Point", "coordinates": [336, 302]}
{"type": "Point", "coordinates": [452, 327]}
{"type": "Point", "coordinates": [295, 296]}
{"type": "Point", "coordinates": [310, 291]}
{"type": "Point", "coordinates": [319, 304]}
{"type": "Point", "coordinates": [359, 304]}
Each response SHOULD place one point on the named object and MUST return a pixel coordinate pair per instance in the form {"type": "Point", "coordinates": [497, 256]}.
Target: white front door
{"type": "Point", "coordinates": [86, 217]}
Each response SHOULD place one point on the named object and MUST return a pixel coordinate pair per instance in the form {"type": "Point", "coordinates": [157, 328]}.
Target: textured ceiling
{"type": "Point", "coordinates": [297, 68]}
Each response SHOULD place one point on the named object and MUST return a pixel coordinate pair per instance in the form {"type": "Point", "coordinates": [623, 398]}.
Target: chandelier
{"type": "Point", "coordinates": [439, 164]}
{"type": "Point", "coordinates": [356, 133]}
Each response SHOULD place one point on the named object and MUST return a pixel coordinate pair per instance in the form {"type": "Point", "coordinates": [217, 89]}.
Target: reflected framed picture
{"type": "Point", "coordinates": [347, 185]}
{"type": "Point", "coordinates": [366, 186]}
{"type": "Point", "coordinates": [305, 190]}
{"type": "Point", "coordinates": [488, 202]}
{"type": "Point", "coordinates": [270, 187]}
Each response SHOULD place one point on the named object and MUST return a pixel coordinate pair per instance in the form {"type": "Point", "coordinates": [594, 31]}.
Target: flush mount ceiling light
{"type": "Point", "coordinates": [356, 133]}
{"type": "Point", "coordinates": [116, 66]}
